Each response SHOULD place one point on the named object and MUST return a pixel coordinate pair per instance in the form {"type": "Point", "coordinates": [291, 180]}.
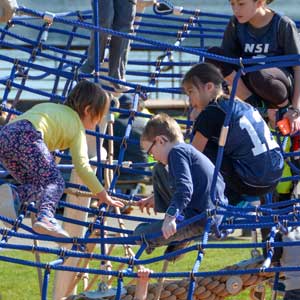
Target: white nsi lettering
{"type": "Point", "coordinates": [257, 48]}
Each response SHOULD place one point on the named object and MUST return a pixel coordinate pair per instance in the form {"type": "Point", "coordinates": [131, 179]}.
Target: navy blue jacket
{"type": "Point", "coordinates": [191, 174]}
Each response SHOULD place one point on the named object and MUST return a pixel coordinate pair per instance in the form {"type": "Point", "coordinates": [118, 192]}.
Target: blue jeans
{"type": "Point", "coordinates": [117, 15]}
{"type": "Point", "coordinates": [292, 295]}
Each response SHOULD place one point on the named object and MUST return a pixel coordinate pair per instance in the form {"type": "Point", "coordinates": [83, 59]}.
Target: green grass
{"type": "Point", "coordinates": [21, 282]}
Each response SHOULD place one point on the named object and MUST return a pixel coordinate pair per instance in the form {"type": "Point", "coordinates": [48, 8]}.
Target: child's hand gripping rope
{"type": "Point", "coordinates": [103, 197]}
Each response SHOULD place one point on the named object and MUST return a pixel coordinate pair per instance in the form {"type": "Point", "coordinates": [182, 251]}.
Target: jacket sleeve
{"type": "Point", "coordinates": [180, 172]}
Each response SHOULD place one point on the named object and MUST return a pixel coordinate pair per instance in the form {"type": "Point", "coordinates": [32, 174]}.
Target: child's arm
{"type": "Point", "coordinates": [80, 160]}
{"type": "Point", "coordinates": [199, 141]}
{"type": "Point", "coordinates": [141, 289]}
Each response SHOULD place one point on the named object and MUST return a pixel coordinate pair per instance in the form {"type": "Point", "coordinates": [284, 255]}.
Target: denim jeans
{"type": "Point", "coordinates": [162, 196]}
{"type": "Point", "coordinates": [116, 15]}
{"type": "Point", "coordinates": [292, 295]}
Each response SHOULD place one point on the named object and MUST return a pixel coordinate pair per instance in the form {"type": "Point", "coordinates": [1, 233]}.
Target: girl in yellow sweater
{"type": "Point", "coordinates": [25, 146]}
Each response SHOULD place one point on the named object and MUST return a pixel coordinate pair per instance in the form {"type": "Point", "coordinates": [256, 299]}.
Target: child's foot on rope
{"type": "Point", "coordinates": [115, 88]}
{"type": "Point", "coordinates": [172, 248]}
{"type": "Point", "coordinates": [120, 88]}
{"type": "Point", "coordinates": [49, 226]}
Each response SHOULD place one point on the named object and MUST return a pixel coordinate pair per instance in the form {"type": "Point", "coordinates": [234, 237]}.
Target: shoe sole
{"type": "Point", "coordinates": [41, 228]}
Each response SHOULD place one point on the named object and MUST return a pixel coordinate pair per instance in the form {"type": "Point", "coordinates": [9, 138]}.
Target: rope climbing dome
{"type": "Point", "coordinates": [30, 33]}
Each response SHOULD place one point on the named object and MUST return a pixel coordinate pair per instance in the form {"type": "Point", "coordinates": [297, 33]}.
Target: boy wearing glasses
{"type": "Point", "coordinates": [190, 175]}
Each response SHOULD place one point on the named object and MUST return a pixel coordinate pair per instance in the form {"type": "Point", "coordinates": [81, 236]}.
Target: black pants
{"type": "Point", "coordinates": [273, 85]}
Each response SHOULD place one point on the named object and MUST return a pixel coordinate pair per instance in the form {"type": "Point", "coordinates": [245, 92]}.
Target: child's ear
{"type": "Point", "coordinates": [210, 86]}
{"type": "Point", "coordinates": [159, 139]}
{"type": "Point", "coordinates": [163, 139]}
{"type": "Point", "coordinates": [87, 110]}
{"type": "Point", "coordinates": [261, 3]}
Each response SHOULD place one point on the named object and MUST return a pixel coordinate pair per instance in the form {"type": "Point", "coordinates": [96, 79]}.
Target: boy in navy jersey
{"type": "Point", "coordinates": [190, 180]}
{"type": "Point", "coordinates": [257, 31]}
{"type": "Point", "coordinates": [252, 163]}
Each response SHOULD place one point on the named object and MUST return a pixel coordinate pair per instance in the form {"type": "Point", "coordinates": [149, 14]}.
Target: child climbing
{"type": "Point", "coordinates": [252, 162]}
{"type": "Point", "coordinates": [25, 146]}
{"type": "Point", "coordinates": [190, 179]}
{"type": "Point", "coordinates": [255, 30]}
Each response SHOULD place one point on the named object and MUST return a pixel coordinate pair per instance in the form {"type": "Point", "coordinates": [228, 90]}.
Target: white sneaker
{"type": "Point", "coordinates": [49, 226]}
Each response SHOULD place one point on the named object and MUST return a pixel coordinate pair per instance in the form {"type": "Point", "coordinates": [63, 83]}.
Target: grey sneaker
{"type": "Point", "coordinates": [9, 202]}
{"type": "Point", "coordinates": [49, 226]}
{"type": "Point", "coordinates": [117, 89]}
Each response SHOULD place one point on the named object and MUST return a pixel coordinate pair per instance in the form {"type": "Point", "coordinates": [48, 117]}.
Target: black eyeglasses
{"type": "Point", "coordinates": [150, 148]}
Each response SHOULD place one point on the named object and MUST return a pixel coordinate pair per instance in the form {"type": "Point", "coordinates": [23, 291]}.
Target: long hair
{"type": "Point", "coordinates": [204, 73]}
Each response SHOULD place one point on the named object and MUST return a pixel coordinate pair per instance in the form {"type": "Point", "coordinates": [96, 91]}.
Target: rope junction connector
{"type": "Point", "coordinates": [120, 275]}
{"type": "Point", "coordinates": [48, 267]}
{"type": "Point", "coordinates": [8, 84]}
{"type": "Point", "coordinates": [131, 262]}
{"type": "Point", "coordinates": [200, 248]}
{"type": "Point", "coordinates": [62, 252]}
{"type": "Point", "coordinates": [192, 276]}
{"type": "Point", "coordinates": [242, 66]}
{"type": "Point", "coordinates": [49, 17]}
{"type": "Point", "coordinates": [191, 20]}
{"type": "Point", "coordinates": [33, 249]}
{"type": "Point", "coordinates": [5, 233]}
{"type": "Point", "coordinates": [197, 13]}
{"type": "Point", "coordinates": [80, 16]}
{"type": "Point", "coordinates": [177, 10]}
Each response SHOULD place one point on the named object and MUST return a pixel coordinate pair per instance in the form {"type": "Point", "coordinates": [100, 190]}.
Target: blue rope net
{"type": "Point", "coordinates": [29, 40]}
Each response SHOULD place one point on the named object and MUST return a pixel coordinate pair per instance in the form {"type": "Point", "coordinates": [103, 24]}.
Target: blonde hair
{"type": "Point", "coordinates": [85, 94]}
{"type": "Point", "coordinates": [162, 124]}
